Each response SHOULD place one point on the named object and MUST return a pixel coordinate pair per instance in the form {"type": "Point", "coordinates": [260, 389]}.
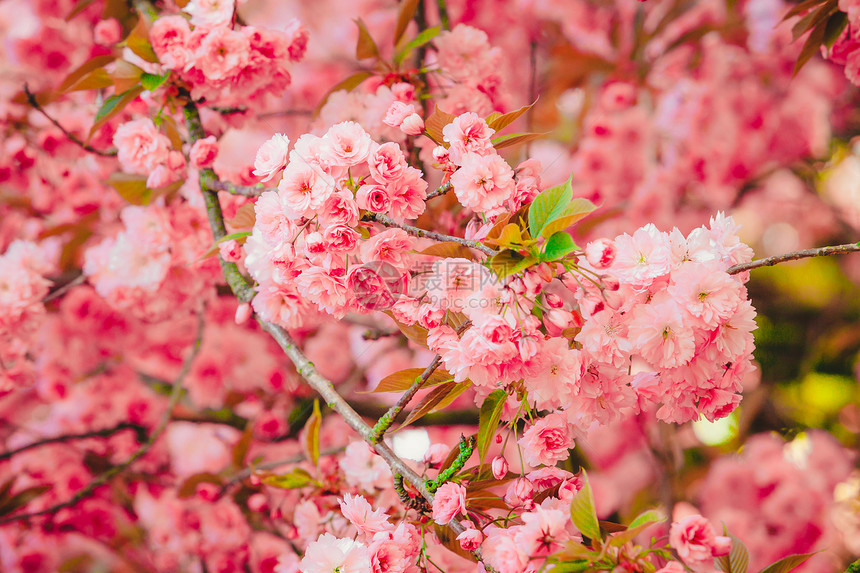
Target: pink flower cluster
{"type": "Point", "coordinates": [386, 548]}
{"type": "Point", "coordinates": [469, 71]}
{"type": "Point", "coordinates": [226, 66]}
{"type": "Point", "coordinates": [306, 248]}
{"type": "Point", "coordinates": [143, 150]}
{"type": "Point", "coordinates": [23, 286]}
{"type": "Point", "coordinates": [152, 254]}
{"type": "Point", "coordinates": [778, 497]}
{"type": "Point", "coordinates": [482, 180]}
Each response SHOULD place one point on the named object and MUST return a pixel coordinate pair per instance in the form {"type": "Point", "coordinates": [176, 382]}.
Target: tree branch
{"type": "Point", "coordinates": [441, 190]}
{"type": "Point", "coordinates": [304, 367]}
{"type": "Point", "coordinates": [34, 103]}
{"type": "Point", "coordinates": [418, 232]}
{"type": "Point", "coordinates": [103, 433]}
{"type": "Point", "coordinates": [242, 190]}
{"type": "Point", "coordinates": [102, 479]}
{"type": "Point", "coordinates": [793, 256]}
{"type": "Point", "coordinates": [390, 416]}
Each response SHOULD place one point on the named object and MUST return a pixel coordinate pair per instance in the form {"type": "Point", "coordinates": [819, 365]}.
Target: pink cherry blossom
{"type": "Point", "coordinates": [450, 501]}
{"type": "Point", "coordinates": [272, 157]}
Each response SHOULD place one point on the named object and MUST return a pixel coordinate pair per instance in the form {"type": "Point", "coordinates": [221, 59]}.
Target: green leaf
{"type": "Point", "coordinates": [575, 566]}
{"type": "Point", "coordinates": [509, 262]}
{"type": "Point", "coordinates": [365, 47]}
{"type": "Point", "coordinates": [404, 16]}
{"type": "Point", "coordinates": [488, 421]}
{"type": "Point", "coordinates": [786, 564]}
{"type": "Point", "coordinates": [402, 380]}
{"type": "Point", "coordinates": [835, 26]}
{"type": "Point", "coordinates": [435, 122]}
{"type": "Point", "coordinates": [293, 480]}
{"type": "Point", "coordinates": [240, 449]}
{"type": "Point", "coordinates": [22, 498]}
{"type": "Point", "coordinates": [312, 434]}
{"type": "Point", "coordinates": [558, 246]}
{"type": "Point", "coordinates": [152, 82]}
{"type": "Point", "coordinates": [514, 139]}
{"type": "Point", "coordinates": [436, 399]}
{"type": "Point", "coordinates": [138, 41]}
{"type": "Point", "coordinates": [83, 70]}
{"type": "Point", "coordinates": [416, 42]}
{"type": "Point", "coordinates": [548, 205]}
{"type": "Point", "coordinates": [802, 7]}
{"type": "Point", "coordinates": [571, 214]}
{"type": "Point", "coordinates": [738, 559]}
{"type": "Point", "coordinates": [113, 105]}
{"type": "Point", "coordinates": [131, 187]}
{"type": "Point", "coordinates": [623, 537]}
{"type": "Point", "coordinates": [448, 250]}
{"type": "Point", "coordinates": [498, 121]}
{"type": "Point", "coordinates": [582, 511]}
{"type": "Point", "coordinates": [648, 516]}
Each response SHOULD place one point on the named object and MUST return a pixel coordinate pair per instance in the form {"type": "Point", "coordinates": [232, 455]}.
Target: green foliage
{"type": "Point", "coordinates": [488, 420]}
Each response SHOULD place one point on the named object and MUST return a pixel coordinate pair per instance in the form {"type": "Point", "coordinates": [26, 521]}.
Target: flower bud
{"type": "Point", "coordinates": [600, 253]}
{"type": "Point", "coordinates": [243, 313]}
{"type": "Point", "coordinates": [552, 300]}
{"type": "Point", "coordinates": [500, 466]}
{"type": "Point", "coordinates": [412, 125]}
{"type": "Point", "coordinates": [519, 491]}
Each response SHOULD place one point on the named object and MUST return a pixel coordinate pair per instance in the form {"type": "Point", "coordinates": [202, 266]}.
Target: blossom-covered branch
{"type": "Point", "coordinates": [175, 395]}
{"type": "Point", "coordinates": [139, 430]}
{"type": "Point", "coordinates": [424, 233]}
{"type": "Point", "coordinates": [34, 102]}
{"type": "Point", "coordinates": [793, 256]}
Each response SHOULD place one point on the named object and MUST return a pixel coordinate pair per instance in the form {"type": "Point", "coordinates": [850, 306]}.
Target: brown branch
{"type": "Point", "coordinates": [102, 479]}
{"type": "Point", "coordinates": [391, 415]}
{"type": "Point", "coordinates": [793, 256]}
{"type": "Point", "coordinates": [247, 472]}
{"type": "Point", "coordinates": [419, 232]}
{"type": "Point", "coordinates": [64, 288]}
{"type": "Point", "coordinates": [31, 99]}
{"type": "Point", "coordinates": [103, 433]}
{"type": "Point", "coordinates": [242, 190]}
{"type": "Point", "coordinates": [442, 189]}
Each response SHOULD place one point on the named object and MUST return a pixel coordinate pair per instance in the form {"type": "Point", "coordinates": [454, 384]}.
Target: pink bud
{"type": "Point", "coordinates": [556, 320]}
{"type": "Point", "coordinates": [243, 313]}
{"type": "Point", "coordinates": [552, 300]}
{"type": "Point", "coordinates": [519, 491]}
{"type": "Point", "coordinates": [107, 32]}
{"type": "Point", "coordinates": [498, 438]}
{"type": "Point", "coordinates": [398, 112]}
{"type": "Point", "coordinates": [500, 467]}
{"type": "Point", "coordinates": [258, 502]}
{"type": "Point", "coordinates": [610, 283]}
{"type": "Point", "coordinates": [600, 253]}
{"type": "Point", "coordinates": [207, 491]}
{"type": "Point", "coordinates": [412, 125]}
{"type": "Point", "coordinates": [471, 538]}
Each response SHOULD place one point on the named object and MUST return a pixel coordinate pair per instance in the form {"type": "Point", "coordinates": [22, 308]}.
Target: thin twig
{"type": "Point", "coordinates": [390, 416]}
{"type": "Point", "coordinates": [31, 99]}
{"type": "Point", "coordinates": [102, 479]}
{"type": "Point", "coordinates": [247, 472]}
{"type": "Point", "coordinates": [103, 433]}
{"type": "Point", "coordinates": [444, 188]}
{"type": "Point", "coordinates": [242, 190]}
{"type": "Point", "coordinates": [62, 289]}
{"type": "Point", "coordinates": [793, 256]}
{"type": "Point", "coordinates": [419, 232]}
